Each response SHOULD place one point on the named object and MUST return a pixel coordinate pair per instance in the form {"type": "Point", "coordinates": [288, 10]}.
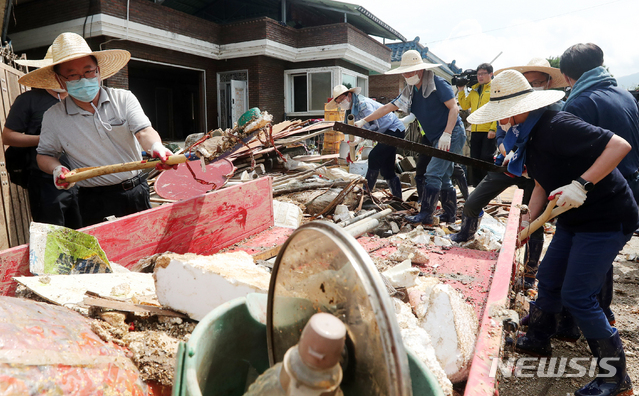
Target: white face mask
{"type": "Point", "coordinates": [505, 127]}
{"type": "Point", "coordinates": [538, 88]}
{"type": "Point", "coordinates": [412, 80]}
{"type": "Point", "coordinates": [345, 104]}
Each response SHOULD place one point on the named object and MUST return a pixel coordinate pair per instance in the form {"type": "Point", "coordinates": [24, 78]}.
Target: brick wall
{"type": "Point", "coordinates": [385, 88]}
{"type": "Point", "coordinates": [155, 15]}
{"type": "Point", "coordinates": [119, 79]}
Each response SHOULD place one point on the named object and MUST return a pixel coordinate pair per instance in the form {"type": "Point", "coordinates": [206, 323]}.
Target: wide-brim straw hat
{"type": "Point", "coordinates": [340, 90]}
{"type": "Point", "coordinates": [412, 61]}
{"type": "Point", "coordinates": [67, 47]}
{"type": "Point", "coordinates": [510, 95]}
{"type": "Point", "coordinates": [542, 65]}
{"type": "Point", "coordinates": [48, 59]}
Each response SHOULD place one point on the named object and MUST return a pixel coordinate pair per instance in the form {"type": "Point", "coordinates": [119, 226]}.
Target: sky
{"type": "Point", "coordinates": [473, 32]}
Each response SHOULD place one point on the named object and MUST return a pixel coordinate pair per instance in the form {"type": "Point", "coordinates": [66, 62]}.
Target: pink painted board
{"type": "Point", "coordinates": [201, 225]}
{"type": "Point", "coordinates": [179, 183]}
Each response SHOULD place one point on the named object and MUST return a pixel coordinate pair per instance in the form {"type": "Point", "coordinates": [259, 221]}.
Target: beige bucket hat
{"type": "Point", "coordinates": [510, 95]}
{"type": "Point", "coordinates": [48, 59]}
{"type": "Point", "coordinates": [412, 61]}
{"type": "Point", "coordinates": [67, 47]}
{"type": "Point", "coordinates": [542, 65]}
{"type": "Point", "coordinates": [341, 90]}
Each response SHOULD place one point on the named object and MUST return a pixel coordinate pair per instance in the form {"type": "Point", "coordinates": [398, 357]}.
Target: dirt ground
{"type": "Point", "coordinates": [625, 305]}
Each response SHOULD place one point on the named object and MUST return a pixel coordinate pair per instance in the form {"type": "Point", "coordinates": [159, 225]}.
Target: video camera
{"type": "Point", "coordinates": [467, 77]}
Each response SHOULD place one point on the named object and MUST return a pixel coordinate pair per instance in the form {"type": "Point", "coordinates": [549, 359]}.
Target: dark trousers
{"type": "Point", "coordinates": [573, 272]}
{"type": "Point", "coordinates": [491, 186]}
{"type": "Point", "coordinates": [96, 203]}
{"type": "Point", "coordinates": [481, 148]}
{"type": "Point", "coordinates": [50, 205]}
{"type": "Point", "coordinates": [382, 157]}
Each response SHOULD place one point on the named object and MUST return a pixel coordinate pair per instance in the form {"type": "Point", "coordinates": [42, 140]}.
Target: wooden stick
{"type": "Point", "coordinates": [550, 212]}
{"type": "Point", "coordinates": [87, 173]}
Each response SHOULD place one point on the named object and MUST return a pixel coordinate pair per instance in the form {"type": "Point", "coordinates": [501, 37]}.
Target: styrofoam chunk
{"type": "Point", "coordinates": [287, 214]}
{"type": "Point", "coordinates": [196, 284]}
{"type": "Point", "coordinates": [417, 340]}
{"type": "Point", "coordinates": [452, 325]}
{"type": "Point", "coordinates": [402, 275]}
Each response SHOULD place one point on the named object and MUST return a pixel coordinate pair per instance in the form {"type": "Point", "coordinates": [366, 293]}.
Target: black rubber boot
{"type": "Point", "coordinates": [419, 185]}
{"type": "Point", "coordinates": [395, 187]}
{"type": "Point", "coordinates": [605, 297]}
{"type": "Point", "coordinates": [468, 229]}
{"type": "Point", "coordinates": [459, 178]}
{"type": "Point", "coordinates": [371, 178]}
{"type": "Point", "coordinates": [448, 199]}
{"type": "Point", "coordinates": [567, 329]}
{"type": "Point", "coordinates": [533, 252]}
{"type": "Point", "coordinates": [619, 384]}
{"type": "Point", "coordinates": [429, 204]}
{"type": "Point", "coordinates": [541, 326]}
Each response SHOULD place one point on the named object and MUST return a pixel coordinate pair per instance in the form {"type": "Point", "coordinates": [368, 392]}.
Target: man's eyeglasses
{"type": "Point", "coordinates": [76, 77]}
{"type": "Point", "coordinates": [482, 74]}
{"type": "Point", "coordinates": [538, 83]}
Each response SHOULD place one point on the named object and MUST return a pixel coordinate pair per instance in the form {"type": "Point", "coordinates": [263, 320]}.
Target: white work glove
{"type": "Point", "coordinates": [59, 174]}
{"type": "Point", "coordinates": [444, 142]}
{"type": "Point", "coordinates": [360, 123]}
{"type": "Point", "coordinates": [407, 120]}
{"type": "Point", "coordinates": [355, 142]}
{"type": "Point", "coordinates": [159, 151]}
{"type": "Point", "coordinates": [509, 156]}
{"type": "Point", "coordinates": [572, 195]}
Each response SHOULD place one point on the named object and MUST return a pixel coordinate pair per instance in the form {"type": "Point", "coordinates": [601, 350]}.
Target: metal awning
{"type": "Point", "coordinates": [224, 11]}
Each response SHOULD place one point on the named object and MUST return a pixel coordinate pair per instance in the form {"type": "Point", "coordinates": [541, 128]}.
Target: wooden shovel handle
{"type": "Point", "coordinates": [550, 212]}
{"type": "Point", "coordinates": [87, 173]}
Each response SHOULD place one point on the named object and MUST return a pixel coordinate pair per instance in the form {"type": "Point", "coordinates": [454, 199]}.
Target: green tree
{"type": "Point", "coordinates": [554, 61]}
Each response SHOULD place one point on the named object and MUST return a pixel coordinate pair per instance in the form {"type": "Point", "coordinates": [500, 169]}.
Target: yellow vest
{"type": "Point", "coordinates": [473, 101]}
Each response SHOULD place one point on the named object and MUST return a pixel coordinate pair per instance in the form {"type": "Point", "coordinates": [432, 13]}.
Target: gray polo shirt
{"type": "Point", "coordinates": [66, 128]}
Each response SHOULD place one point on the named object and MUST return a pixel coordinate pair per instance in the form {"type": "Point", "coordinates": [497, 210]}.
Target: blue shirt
{"type": "Point", "coordinates": [431, 111]}
{"type": "Point", "coordinates": [613, 108]}
{"type": "Point", "coordinates": [363, 107]}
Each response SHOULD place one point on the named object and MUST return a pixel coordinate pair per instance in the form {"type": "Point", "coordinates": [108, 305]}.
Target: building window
{"type": "Point", "coordinates": [308, 90]}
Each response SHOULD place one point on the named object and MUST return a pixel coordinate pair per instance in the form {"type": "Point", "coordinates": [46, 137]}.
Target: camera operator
{"type": "Point", "coordinates": [482, 138]}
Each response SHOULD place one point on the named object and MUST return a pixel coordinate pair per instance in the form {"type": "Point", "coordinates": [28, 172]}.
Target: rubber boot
{"type": "Point", "coordinates": [371, 178]}
{"type": "Point", "coordinates": [541, 326]}
{"type": "Point", "coordinates": [533, 252]}
{"type": "Point", "coordinates": [468, 229]}
{"type": "Point", "coordinates": [419, 185]}
{"type": "Point", "coordinates": [459, 178]}
{"type": "Point", "coordinates": [567, 329]}
{"type": "Point", "coordinates": [395, 187]}
{"type": "Point", "coordinates": [619, 384]}
{"type": "Point", "coordinates": [605, 297]}
{"type": "Point", "coordinates": [448, 199]}
{"type": "Point", "coordinates": [429, 204]}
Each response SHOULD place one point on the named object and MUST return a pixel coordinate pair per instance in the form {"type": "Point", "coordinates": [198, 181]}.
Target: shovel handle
{"type": "Point", "coordinates": [550, 212]}
{"type": "Point", "coordinates": [87, 173]}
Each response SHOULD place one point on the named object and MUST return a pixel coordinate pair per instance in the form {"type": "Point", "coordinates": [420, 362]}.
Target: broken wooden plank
{"type": "Point", "coordinates": [130, 307]}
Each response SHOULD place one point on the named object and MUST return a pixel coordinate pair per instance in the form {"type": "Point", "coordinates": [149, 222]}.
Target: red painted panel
{"type": "Point", "coordinates": [201, 225]}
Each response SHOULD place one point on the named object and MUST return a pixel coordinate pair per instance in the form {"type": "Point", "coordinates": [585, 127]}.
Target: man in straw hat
{"type": "Point", "coordinates": [382, 158]}
{"type": "Point", "coordinates": [432, 100]}
{"type": "Point", "coordinates": [596, 99]}
{"type": "Point", "coordinates": [22, 133]}
{"type": "Point", "coordinates": [541, 76]}
{"type": "Point", "coordinates": [574, 162]}
{"type": "Point", "coordinates": [94, 126]}
{"type": "Point", "coordinates": [482, 138]}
